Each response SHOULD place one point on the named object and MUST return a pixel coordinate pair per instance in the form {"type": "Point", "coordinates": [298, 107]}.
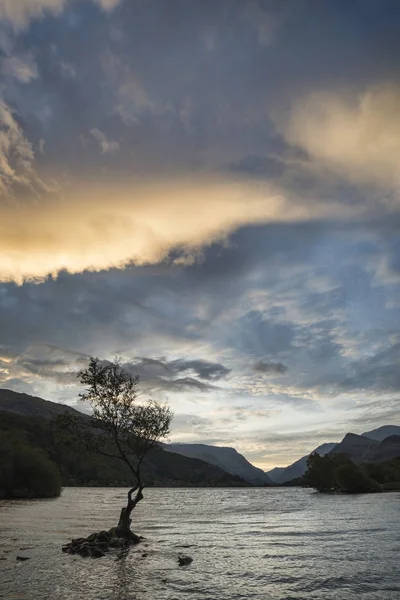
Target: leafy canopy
{"type": "Point", "coordinates": [122, 427]}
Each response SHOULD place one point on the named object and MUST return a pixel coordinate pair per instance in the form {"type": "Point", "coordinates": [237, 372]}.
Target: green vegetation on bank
{"type": "Point", "coordinates": [338, 473]}
{"type": "Point", "coordinates": [25, 471]}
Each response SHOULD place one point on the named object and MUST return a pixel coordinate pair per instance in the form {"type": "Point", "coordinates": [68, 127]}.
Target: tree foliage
{"type": "Point", "coordinates": [25, 471]}
{"type": "Point", "coordinates": [337, 472]}
{"type": "Point", "coordinates": [121, 427]}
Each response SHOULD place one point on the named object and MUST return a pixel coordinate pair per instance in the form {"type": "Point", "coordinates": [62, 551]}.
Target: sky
{"type": "Point", "coordinates": [209, 190]}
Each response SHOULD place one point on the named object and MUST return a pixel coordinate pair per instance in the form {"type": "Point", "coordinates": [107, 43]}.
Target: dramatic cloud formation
{"type": "Point", "coordinates": [357, 134]}
{"type": "Point", "coordinates": [98, 228]}
{"type": "Point", "coordinates": [16, 158]}
{"type": "Point", "coordinates": [210, 191]}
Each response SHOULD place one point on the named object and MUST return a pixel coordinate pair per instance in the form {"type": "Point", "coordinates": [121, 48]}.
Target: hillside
{"type": "Point", "coordinates": [30, 421]}
{"type": "Point", "coordinates": [382, 433]}
{"type": "Point", "coordinates": [299, 467]}
{"type": "Point", "coordinates": [275, 473]}
{"type": "Point", "coordinates": [388, 449]}
{"type": "Point", "coordinates": [356, 446]}
{"type": "Point", "coordinates": [363, 449]}
{"type": "Point", "coordinates": [226, 458]}
{"type": "Point", "coordinates": [31, 406]}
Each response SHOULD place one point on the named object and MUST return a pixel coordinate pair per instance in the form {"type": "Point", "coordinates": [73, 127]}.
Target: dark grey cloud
{"type": "Point", "coordinates": [267, 367]}
{"type": "Point", "coordinates": [377, 373]}
{"type": "Point", "coordinates": [203, 368]}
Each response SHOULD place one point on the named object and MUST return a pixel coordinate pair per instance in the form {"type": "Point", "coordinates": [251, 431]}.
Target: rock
{"type": "Point", "coordinates": [96, 544]}
{"type": "Point", "coordinates": [103, 537]}
{"type": "Point", "coordinates": [184, 560]}
{"type": "Point", "coordinates": [23, 558]}
{"type": "Point", "coordinates": [97, 553]}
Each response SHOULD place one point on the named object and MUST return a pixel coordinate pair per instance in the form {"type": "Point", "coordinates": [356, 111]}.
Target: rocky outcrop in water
{"type": "Point", "coordinates": [97, 544]}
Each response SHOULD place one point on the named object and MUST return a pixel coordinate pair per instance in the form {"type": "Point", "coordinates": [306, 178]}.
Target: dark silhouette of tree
{"type": "Point", "coordinates": [25, 471]}
{"type": "Point", "coordinates": [320, 472]}
{"type": "Point", "coordinates": [351, 478]}
{"type": "Point", "coordinates": [122, 427]}
{"type": "Point", "coordinates": [337, 472]}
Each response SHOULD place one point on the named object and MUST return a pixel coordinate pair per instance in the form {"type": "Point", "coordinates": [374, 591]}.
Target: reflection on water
{"type": "Point", "coordinates": [278, 544]}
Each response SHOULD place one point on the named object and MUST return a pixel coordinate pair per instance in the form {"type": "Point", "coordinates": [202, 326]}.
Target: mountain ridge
{"type": "Point", "coordinates": [225, 457]}
{"type": "Point", "coordinates": [359, 447]}
{"type": "Point", "coordinates": [159, 464]}
{"type": "Point", "coordinates": [299, 467]}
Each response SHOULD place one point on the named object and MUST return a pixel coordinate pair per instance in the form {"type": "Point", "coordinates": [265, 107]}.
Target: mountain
{"type": "Point", "coordinates": [226, 458]}
{"type": "Point", "coordinates": [382, 432]}
{"type": "Point", "coordinates": [32, 406]}
{"type": "Point", "coordinates": [364, 449]}
{"type": "Point", "coordinates": [298, 468]}
{"type": "Point", "coordinates": [274, 474]}
{"type": "Point", "coordinates": [26, 419]}
{"type": "Point", "coordinates": [356, 446]}
{"type": "Point", "coordinates": [388, 449]}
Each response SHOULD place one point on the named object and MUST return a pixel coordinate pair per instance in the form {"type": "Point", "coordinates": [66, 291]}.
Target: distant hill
{"type": "Point", "coordinates": [32, 406]}
{"type": "Point", "coordinates": [359, 447]}
{"type": "Point", "coordinates": [28, 418]}
{"type": "Point", "coordinates": [224, 457]}
{"type": "Point", "coordinates": [388, 449]}
{"type": "Point", "coordinates": [298, 468]}
{"type": "Point", "coordinates": [274, 474]}
{"type": "Point", "coordinates": [364, 449]}
{"type": "Point", "coordinates": [356, 446]}
{"type": "Point", "coordinates": [382, 432]}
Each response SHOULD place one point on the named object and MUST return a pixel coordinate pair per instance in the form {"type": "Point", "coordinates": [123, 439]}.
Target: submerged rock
{"type": "Point", "coordinates": [184, 560]}
{"type": "Point", "coordinates": [23, 558]}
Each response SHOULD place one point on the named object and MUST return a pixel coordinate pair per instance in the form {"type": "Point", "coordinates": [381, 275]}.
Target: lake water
{"type": "Point", "coordinates": [280, 544]}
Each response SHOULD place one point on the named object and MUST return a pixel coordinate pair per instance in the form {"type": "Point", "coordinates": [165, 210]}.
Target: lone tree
{"type": "Point", "coordinates": [122, 428]}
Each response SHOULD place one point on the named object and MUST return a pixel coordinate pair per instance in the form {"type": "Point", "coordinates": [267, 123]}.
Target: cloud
{"type": "Point", "coordinates": [105, 225]}
{"type": "Point", "coordinates": [52, 364]}
{"type": "Point", "coordinates": [160, 375]}
{"type": "Point", "coordinates": [202, 368]}
{"type": "Point", "coordinates": [105, 144]}
{"type": "Point", "coordinates": [269, 368]}
{"type": "Point", "coordinates": [20, 12]}
{"type": "Point", "coordinates": [23, 69]}
{"type": "Point", "coordinates": [379, 373]}
{"type": "Point", "coordinates": [131, 100]}
{"type": "Point", "coordinates": [16, 157]}
{"type": "Point", "coordinates": [67, 70]}
{"type": "Point", "coordinates": [355, 134]}
{"type": "Point", "coordinates": [45, 362]}
{"type": "Point", "coordinates": [265, 25]}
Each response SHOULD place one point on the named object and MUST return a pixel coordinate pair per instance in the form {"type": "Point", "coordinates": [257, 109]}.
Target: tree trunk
{"type": "Point", "coordinates": [97, 544]}
{"type": "Point", "coordinates": [123, 528]}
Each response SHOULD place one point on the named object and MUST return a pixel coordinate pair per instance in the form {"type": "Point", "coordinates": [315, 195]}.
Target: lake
{"type": "Point", "coordinates": [260, 543]}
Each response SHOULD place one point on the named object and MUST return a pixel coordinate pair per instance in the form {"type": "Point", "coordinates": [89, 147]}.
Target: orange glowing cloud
{"type": "Point", "coordinates": [96, 228]}
{"type": "Point", "coordinates": [358, 136]}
